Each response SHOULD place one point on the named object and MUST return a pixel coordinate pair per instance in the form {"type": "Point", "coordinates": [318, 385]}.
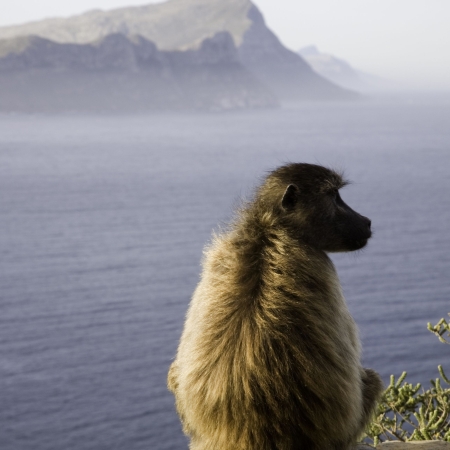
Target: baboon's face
{"type": "Point", "coordinates": [324, 221]}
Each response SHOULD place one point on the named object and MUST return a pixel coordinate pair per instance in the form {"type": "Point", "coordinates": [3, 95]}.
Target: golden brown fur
{"type": "Point", "coordinates": [269, 358]}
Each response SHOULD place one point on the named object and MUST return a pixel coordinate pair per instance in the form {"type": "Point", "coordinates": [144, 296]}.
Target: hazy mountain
{"type": "Point", "coordinates": [282, 70]}
{"type": "Point", "coordinates": [342, 73]}
{"type": "Point", "coordinates": [119, 73]}
{"type": "Point", "coordinates": [184, 25]}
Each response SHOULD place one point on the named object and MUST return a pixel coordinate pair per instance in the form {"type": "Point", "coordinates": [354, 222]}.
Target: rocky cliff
{"type": "Point", "coordinates": [280, 68]}
{"type": "Point", "coordinates": [119, 73]}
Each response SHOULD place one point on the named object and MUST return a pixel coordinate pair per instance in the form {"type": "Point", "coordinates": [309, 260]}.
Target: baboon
{"type": "Point", "coordinates": [269, 358]}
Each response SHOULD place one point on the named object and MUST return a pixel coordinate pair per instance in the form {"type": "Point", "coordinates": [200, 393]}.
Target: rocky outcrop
{"type": "Point", "coordinates": [118, 73]}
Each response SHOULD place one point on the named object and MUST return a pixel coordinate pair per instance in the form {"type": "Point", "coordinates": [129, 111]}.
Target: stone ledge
{"type": "Point", "coordinates": [417, 445]}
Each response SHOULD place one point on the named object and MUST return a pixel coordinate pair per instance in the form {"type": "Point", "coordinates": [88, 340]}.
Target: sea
{"type": "Point", "coordinates": [103, 219]}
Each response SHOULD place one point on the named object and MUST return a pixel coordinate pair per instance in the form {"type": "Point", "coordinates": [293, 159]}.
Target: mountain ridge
{"type": "Point", "coordinates": [114, 51]}
{"type": "Point", "coordinates": [178, 30]}
{"type": "Point", "coordinates": [162, 23]}
{"type": "Point", "coordinates": [130, 74]}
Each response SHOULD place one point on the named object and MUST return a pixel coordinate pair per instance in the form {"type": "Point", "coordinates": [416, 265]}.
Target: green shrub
{"type": "Point", "coordinates": [409, 413]}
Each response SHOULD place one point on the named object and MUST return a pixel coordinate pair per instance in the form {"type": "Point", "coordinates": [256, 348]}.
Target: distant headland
{"type": "Point", "coordinates": [177, 55]}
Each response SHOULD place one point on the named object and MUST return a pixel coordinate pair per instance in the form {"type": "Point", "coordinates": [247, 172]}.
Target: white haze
{"type": "Point", "coordinates": [403, 40]}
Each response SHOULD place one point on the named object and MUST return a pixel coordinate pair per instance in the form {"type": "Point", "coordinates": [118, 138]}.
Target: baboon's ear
{"type": "Point", "coordinates": [290, 197]}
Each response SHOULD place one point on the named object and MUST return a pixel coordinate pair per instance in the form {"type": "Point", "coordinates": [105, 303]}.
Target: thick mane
{"type": "Point", "coordinates": [268, 300]}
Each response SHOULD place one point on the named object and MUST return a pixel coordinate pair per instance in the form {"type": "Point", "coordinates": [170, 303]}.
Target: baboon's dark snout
{"type": "Point", "coordinates": [366, 225]}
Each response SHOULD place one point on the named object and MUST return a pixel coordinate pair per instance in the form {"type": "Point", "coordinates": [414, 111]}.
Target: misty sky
{"type": "Point", "coordinates": [404, 40]}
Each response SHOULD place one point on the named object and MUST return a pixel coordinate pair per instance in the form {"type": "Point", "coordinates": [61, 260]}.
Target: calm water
{"type": "Point", "coordinates": [103, 220]}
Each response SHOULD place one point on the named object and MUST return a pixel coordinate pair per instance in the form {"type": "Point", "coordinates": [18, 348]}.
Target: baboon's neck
{"type": "Point", "coordinates": [268, 260]}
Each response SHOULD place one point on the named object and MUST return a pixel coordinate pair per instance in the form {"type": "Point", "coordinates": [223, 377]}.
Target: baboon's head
{"type": "Point", "coordinates": [312, 210]}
